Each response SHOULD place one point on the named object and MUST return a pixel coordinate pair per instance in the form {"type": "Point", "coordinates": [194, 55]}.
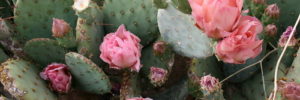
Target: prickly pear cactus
{"type": "Point", "coordinates": [89, 77]}
{"type": "Point", "coordinates": [34, 18]}
{"type": "Point", "coordinates": [89, 31]}
{"type": "Point", "coordinates": [21, 79]}
{"type": "Point", "coordinates": [139, 16]}
{"type": "Point", "coordinates": [158, 61]}
{"type": "Point", "coordinates": [164, 50]}
{"type": "Point", "coordinates": [178, 30]}
{"type": "Point", "coordinates": [44, 51]}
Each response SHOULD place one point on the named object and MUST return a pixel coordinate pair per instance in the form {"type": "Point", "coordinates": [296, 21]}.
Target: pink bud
{"type": "Point", "coordinates": [290, 90]}
{"type": "Point", "coordinates": [59, 77]}
{"type": "Point", "coordinates": [158, 76]}
{"type": "Point", "coordinates": [271, 30]}
{"type": "Point", "coordinates": [272, 11]}
{"type": "Point", "coordinates": [209, 83]}
{"type": "Point", "coordinates": [159, 47]}
{"type": "Point", "coordinates": [285, 36]}
{"type": "Point", "coordinates": [60, 28]}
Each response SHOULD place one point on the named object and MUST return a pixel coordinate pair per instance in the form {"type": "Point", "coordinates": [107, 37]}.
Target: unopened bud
{"type": "Point", "coordinates": [158, 76]}
{"type": "Point", "coordinates": [271, 30]}
{"type": "Point", "coordinates": [284, 38]}
{"type": "Point", "coordinates": [272, 11]}
{"type": "Point", "coordinates": [209, 83]}
{"type": "Point", "coordinates": [289, 90]}
{"type": "Point", "coordinates": [60, 28]}
{"type": "Point", "coordinates": [159, 47]}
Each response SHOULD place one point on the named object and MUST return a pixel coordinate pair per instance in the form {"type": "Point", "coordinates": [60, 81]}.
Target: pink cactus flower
{"type": "Point", "coordinates": [243, 43]}
{"type": "Point", "coordinates": [209, 83]}
{"type": "Point", "coordinates": [59, 77]}
{"type": "Point", "coordinates": [217, 18]}
{"type": "Point", "coordinates": [139, 98]}
{"type": "Point", "coordinates": [121, 49]}
{"type": "Point", "coordinates": [158, 75]}
{"type": "Point", "coordinates": [60, 27]}
{"type": "Point", "coordinates": [285, 36]}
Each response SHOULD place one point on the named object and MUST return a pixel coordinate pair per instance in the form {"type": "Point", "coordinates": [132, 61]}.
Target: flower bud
{"type": "Point", "coordinates": [272, 11]}
{"type": "Point", "coordinates": [158, 76]}
{"type": "Point", "coordinates": [285, 36]}
{"type": "Point", "coordinates": [60, 28]}
{"type": "Point", "coordinates": [159, 47]}
{"type": "Point", "coordinates": [271, 30]}
{"type": "Point", "coordinates": [209, 83]}
{"type": "Point", "coordinates": [289, 90]}
{"type": "Point", "coordinates": [59, 77]}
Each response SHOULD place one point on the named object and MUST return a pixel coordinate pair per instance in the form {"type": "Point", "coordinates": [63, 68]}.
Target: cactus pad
{"type": "Point", "coordinates": [139, 17]}
{"type": "Point", "coordinates": [178, 30]}
{"type": "Point", "coordinates": [22, 80]}
{"type": "Point", "coordinates": [44, 51]}
{"type": "Point", "coordinates": [164, 61]}
{"type": "Point", "coordinates": [89, 32]}
{"type": "Point", "coordinates": [34, 17]}
{"type": "Point", "coordinates": [88, 76]}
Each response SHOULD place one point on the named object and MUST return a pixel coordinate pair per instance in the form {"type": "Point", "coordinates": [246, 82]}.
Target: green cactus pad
{"type": "Point", "coordinates": [229, 69]}
{"type": "Point", "coordinates": [88, 76]}
{"type": "Point", "coordinates": [294, 70]}
{"type": "Point", "coordinates": [3, 56]}
{"type": "Point", "coordinates": [160, 3]}
{"type": "Point", "coordinates": [178, 30]}
{"type": "Point", "coordinates": [200, 68]}
{"type": "Point", "coordinates": [182, 5]}
{"type": "Point", "coordinates": [89, 32]}
{"type": "Point", "coordinates": [178, 91]}
{"type": "Point", "coordinates": [34, 17]}
{"type": "Point", "coordinates": [44, 51]}
{"type": "Point", "coordinates": [288, 56]}
{"type": "Point", "coordinates": [139, 17]}
{"type": "Point", "coordinates": [164, 61]}
{"type": "Point", "coordinates": [253, 87]}
{"type": "Point", "coordinates": [130, 86]}
{"type": "Point", "coordinates": [22, 80]}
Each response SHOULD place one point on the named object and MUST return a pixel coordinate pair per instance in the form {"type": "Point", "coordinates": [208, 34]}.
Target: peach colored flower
{"type": "Point", "coordinates": [217, 18]}
{"type": "Point", "coordinates": [243, 43]}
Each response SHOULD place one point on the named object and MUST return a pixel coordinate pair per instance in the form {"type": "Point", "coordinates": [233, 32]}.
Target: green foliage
{"type": "Point", "coordinates": [179, 31]}
{"type": "Point", "coordinates": [34, 17]}
{"type": "Point", "coordinates": [89, 31]}
{"type": "Point", "coordinates": [87, 75]}
{"type": "Point", "coordinates": [21, 79]}
{"type": "Point", "coordinates": [45, 51]}
{"type": "Point", "coordinates": [139, 17]}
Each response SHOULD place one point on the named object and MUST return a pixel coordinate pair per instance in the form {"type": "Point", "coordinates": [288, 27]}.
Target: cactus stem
{"type": "Point", "coordinates": [281, 55]}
